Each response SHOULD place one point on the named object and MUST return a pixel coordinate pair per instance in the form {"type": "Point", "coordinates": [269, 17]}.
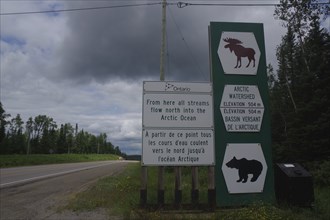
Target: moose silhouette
{"type": "Point", "coordinates": [240, 51]}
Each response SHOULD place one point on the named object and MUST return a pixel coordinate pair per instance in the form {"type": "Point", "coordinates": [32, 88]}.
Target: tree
{"type": "Point", "coordinates": [69, 132]}
{"type": "Point", "coordinates": [283, 104]}
{"type": "Point", "coordinates": [61, 140]}
{"type": "Point", "coordinates": [102, 143]}
{"type": "Point", "coordinates": [117, 151]}
{"type": "Point", "coordinates": [297, 15]}
{"type": "Point", "coordinates": [16, 136]}
{"type": "Point", "coordinates": [41, 135]}
{"type": "Point", "coordinates": [317, 82]}
{"type": "Point", "coordinates": [29, 130]}
{"type": "Point", "coordinates": [39, 131]}
{"type": "Point", "coordinates": [3, 124]}
{"type": "Point", "coordinates": [82, 142]}
{"type": "Point", "coordinates": [300, 99]}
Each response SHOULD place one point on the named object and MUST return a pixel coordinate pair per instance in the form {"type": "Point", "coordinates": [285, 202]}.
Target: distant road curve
{"type": "Point", "coordinates": [21, 175]}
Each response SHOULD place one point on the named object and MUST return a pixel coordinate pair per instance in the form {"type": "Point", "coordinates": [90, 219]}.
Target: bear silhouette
{"type": "Point", "coordinates": [246, 167]}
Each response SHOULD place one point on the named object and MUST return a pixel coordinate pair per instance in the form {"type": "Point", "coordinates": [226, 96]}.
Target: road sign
{"type": "Point", "coordinates": [239, 53]}
{"type": "Point", "coordinates": [238, 67]}
{"type": "Point", "coordinates": [244, 168]}
{"type": "Point", "coordinates": [177, 124]}
{"type": "Point", "coordinates": [177, 110]}
{"type": "Point", "coordinates": [178, 147]}
{"type": "Point", "coordinates": [242, 108]}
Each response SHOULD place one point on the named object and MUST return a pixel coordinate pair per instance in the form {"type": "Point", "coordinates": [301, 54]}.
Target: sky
{"type": "Point", "coordinates": [87, 67]}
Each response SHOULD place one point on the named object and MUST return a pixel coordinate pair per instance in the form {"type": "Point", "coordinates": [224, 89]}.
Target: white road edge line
{"type": "Point", "coordinates": [54, 174]}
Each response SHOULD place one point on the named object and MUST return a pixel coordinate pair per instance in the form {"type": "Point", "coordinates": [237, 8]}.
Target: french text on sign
{"type": "Point", "coordinates": [178, 147]}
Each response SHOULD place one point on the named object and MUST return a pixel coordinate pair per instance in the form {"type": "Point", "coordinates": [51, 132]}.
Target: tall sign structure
{"type": "Point", "coordinates": [244, 171]}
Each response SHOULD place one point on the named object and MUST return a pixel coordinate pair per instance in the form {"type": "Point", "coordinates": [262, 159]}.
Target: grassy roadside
{"type": "Point", "coordinates": [39, 159]}
{"type": "Point", "coordinates": [119, 196]}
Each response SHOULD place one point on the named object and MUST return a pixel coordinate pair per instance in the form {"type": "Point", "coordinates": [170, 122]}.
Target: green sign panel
{"type": "Point", "coordinates": [244, 172]}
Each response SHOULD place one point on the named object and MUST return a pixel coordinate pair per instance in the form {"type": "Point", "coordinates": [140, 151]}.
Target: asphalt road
{"type": "Point", "coordinates": [36, 192]}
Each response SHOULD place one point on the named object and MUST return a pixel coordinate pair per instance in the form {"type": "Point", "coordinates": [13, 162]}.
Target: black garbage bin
{"type": "Point", "coordinates": [293, 184]}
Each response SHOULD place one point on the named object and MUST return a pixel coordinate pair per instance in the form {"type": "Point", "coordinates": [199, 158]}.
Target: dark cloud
{"type": "Point", "coordinates": [112, 43]}
{"type": "Point", "coordinates": [125, 42]}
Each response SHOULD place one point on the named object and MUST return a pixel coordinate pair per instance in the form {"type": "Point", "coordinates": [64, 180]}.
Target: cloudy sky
{"type": "Point", "coordinates": [87, 67]}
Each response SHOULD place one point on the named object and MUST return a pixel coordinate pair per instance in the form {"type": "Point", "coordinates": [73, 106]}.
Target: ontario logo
{"type": "Point", "coordinates": [174, 88]}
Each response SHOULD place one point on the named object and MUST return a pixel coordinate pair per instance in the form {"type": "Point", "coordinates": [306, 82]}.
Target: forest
{"type": "Point", "coordinates": [41, 135]}
{"type": "Point", "coordinates": [300, 87]}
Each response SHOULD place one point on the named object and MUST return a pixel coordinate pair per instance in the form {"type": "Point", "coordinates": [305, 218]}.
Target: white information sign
{"type": "Point", "coordinates": [242, 108]}
{"type": "Point", "coordinates": [177, 110]}
{"type": "Point", "coordinates": [178, 147]}
{"type": "Point", "coordinates": [239, 53]}
{"type": "Point", "coordinates": [244, 168]}
{"type": "Point", "coordinates": [177, 124]}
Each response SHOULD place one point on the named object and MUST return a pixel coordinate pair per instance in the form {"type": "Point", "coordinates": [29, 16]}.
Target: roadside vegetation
{"type": "Point", "coordinates": [42, 135]}
{"type": "Point", "coordinates": [40, 159]}
{"type": "Point", "coordinates": [120, 197]}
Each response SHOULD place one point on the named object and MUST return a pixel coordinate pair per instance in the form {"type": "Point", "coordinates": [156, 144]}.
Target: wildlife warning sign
{"type": "Point", "coordinates": [244, 168]}
{"type": "Point", "coordinates": [239, 53]}
{"type": "Point", "coordinates": [244, 172]}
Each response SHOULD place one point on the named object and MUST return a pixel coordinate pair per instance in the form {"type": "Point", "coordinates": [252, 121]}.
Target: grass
{"type": "Point", "coordinates": [39, 159]}
{"type": "Point", "coordinates": [118, 192]}
{"type": "Point", "coordinates": [120, 195]}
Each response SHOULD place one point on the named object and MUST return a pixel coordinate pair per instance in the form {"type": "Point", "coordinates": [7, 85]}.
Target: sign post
{"type": "Point", "coordinates": [244, 172]}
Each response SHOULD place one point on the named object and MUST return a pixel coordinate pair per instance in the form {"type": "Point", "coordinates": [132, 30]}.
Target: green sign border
{"type": "Point", "coordinates": [222, 137]}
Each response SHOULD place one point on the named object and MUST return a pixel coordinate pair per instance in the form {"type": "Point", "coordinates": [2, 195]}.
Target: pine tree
{"type": "Point", "coordinates": [3, 123]}
{"type": "Point", "coordinates": [300, 95]}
